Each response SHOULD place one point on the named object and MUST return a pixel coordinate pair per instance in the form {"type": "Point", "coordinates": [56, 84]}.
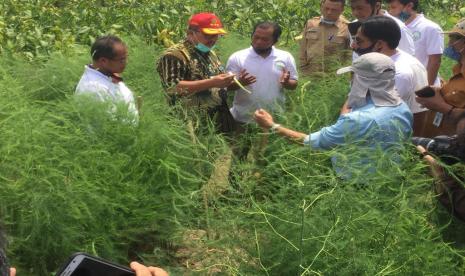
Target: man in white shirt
{"type": "Point", "coordinates": [427, 35]}
{"type": "Point", "coordinates": [101, 78]}
{"type": "Point", "coordinates": [363, 9]}
{"type": "Point", "coordinates": [382, 35]}
{"type": "Point", "coordinates": [274, 70]}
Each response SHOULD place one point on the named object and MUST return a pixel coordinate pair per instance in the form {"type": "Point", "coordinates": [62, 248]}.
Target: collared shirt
{"type": "Point", "coordinates": [323, 44]}
{"type": "Point", "coordinates": [428, 39]}
{"type": "Point", "coordinates": [94, 82]}
{"type": "Point", "coordinates": [410, 76]}
{"type": "Point", "coordinates": [370, 127]}
{"type": "Point", "coordinates": [267, 92]}
{"type": "Point", "coordinates": [182, 62]}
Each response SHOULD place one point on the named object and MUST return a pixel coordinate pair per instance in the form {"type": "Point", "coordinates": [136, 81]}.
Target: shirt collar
{"type": "Point", "coordinates": [114, 78]}
{"type": "Point", "coordinates": [415, 21]}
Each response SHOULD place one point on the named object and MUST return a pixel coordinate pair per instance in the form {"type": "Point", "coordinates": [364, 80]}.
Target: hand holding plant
{"type": "Point", "coordinates": [263, 119]}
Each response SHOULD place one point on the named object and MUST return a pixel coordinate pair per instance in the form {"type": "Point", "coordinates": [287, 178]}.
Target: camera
{"type": "Point", "coordinates": [445, 147]}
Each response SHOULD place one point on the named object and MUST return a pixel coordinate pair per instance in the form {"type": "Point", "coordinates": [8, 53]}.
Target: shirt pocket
{"type": "Point", "coordinates": [312, 35]}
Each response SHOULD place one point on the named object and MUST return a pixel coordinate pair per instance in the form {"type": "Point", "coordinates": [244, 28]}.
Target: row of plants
{"type": "Point", "coordinates": [38, 27]}
{"type": "Point", "coordinates": [74, 179]}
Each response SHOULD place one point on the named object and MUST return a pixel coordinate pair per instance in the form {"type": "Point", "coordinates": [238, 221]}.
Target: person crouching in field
{"type": "Point", "coordinates": [378, 118]}
{"type": "Point", "coordinates": [101, 78]}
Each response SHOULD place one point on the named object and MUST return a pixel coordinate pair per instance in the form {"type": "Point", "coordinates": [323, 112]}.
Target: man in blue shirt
{"type": "Point", "coordinates": [377, 118]}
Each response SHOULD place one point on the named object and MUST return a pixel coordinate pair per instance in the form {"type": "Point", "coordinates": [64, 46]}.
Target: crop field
{"type": "Point", "coordinates": [73, 179]}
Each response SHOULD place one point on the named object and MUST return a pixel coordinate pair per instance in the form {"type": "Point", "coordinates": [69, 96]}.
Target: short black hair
{"type": "Point", "coordinates": [371, 2]}
{"type": "Point", "coordinates": [268, 24]}
{"type": "Point", "coordinates": [405, 2]}
{"type": "Point", "coordinates": [381, 27]}
{"type": "Point", "coordinates": [104, 47]}
{"type": "Point", "coordinates": [343, 2]}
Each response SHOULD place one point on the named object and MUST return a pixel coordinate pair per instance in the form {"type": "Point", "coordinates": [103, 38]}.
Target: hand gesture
{"type": "Point", "coordinates": [245, 78]}
{"type": "Point", "coordinates": [222, 80]}
{"type": "Point", "coordinates": [285, 77]}
{"type": "Point", "coordinates": [263, 119]}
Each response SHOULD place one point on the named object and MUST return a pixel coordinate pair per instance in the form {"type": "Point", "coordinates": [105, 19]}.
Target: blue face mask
{"type": "Point", "coordinates": [451, 53]}
{"type": "Point", "coordinates": [203, 48]}
{"type": "Point", "coordinates": [404, 16]}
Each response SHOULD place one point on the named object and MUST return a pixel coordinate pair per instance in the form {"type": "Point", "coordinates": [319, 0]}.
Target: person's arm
{"type": "Point", "coordinates": [286, 80]}
{"type": "Point", "coordinates": [191, 87]}
{"type": "Point", "coordinates": [303, 48]}
{"type": "Point", "coordinates": [244, 78]}
{"type": "Point", "coordinates": [265, 121]}
{"type": "Point", "coordinates": [434, 62]}
{"type": "Point", "coordinates": [173, 72]}
{"type": "Point", "coordinates": [437, 103]}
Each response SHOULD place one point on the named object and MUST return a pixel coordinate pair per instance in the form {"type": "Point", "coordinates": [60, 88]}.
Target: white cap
{"type": "Point", "coordinates": [373, 72]}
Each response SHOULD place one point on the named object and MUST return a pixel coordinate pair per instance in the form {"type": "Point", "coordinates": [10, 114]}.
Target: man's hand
{"type": "Point", "coordinates": [435, 103]}
{"type": "Point", "coordinates": [263, 119]}
{"type": "Point", "coordinates": [285, 77]}
{"type": "Point", "coordinates": [222, 80]}
{"type": "Point", "coordinates": [142, 270]}
{"type": "Point", "coordinates": [245, 78]}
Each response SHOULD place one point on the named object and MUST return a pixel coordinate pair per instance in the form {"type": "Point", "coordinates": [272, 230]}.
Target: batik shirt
{"type": "Point", "coordinates": [182, 62]}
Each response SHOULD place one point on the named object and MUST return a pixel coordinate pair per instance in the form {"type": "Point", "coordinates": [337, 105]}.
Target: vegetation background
{"type": "Point", "coordinates": [73, 179]}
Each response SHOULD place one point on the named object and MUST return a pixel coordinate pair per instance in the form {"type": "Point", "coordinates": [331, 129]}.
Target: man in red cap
{"type": "Point", "coordinates": [192, 74]}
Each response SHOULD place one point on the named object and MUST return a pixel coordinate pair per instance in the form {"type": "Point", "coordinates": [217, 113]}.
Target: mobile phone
{"type": "Point", "coordinates": [82, 264]}
{"type": "Point", "coordinates": [425, 92]}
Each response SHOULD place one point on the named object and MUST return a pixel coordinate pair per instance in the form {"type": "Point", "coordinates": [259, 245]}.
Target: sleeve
{"type": "Point", "coordinates": [172, 70]}
{"type": "Point", "coordinates": [435, 41]}
{"type": "Point", "coordinates": [404, 84]}
{"type": "Point", "coordinates": [334, 135]}
{"type": "Point", "coordinates": [292, 67]}
{"type": "Point", "coordinates": [406, 42]}
{"type": "Point", "coordinates": [233, 64]}
{"type": "Point", "coordinates": [303, 47]}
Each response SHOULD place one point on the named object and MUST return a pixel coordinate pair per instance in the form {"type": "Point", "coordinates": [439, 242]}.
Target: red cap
{"type": "Point", "coordinates": [208, 23]}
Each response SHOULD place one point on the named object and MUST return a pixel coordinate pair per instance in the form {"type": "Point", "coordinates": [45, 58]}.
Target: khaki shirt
{"type": "Point", "coordinates": [323, 45]}
{"type": "Point", "coordinates": [182, 62]}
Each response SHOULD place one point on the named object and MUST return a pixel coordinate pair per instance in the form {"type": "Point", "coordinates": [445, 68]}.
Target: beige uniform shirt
{"type": "Point", "coordinates": [323, 44]}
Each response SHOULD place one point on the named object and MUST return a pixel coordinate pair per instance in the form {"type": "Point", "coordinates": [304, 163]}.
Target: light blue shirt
{"type": "Point", "coordinates": [370, 128]}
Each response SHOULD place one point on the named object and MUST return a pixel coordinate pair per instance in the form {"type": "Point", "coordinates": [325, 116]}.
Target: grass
{"type": "Point", "coordinates": [74, 179]}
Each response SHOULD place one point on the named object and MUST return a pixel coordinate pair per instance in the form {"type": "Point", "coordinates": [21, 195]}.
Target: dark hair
{"type": "Point", "coordinates": [405, 2]}
{"type": "Point", "coordinates": [371, 2]}
{"type": "Point", "coordinates": [268, 24]}
{"type": "Point", "coordinates": [104, 47]}
{"type": "Point", "coordinates": [343, 2]}
{"type": "Point", "coordinates": [381, 27]}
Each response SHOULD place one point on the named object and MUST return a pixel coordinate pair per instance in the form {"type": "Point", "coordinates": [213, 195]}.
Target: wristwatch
{"type": "Point", "coordinates": [273, 127]}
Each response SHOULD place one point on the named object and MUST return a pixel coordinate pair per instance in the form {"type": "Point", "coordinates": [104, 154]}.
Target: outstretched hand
{"type": "Point", "coordinates": [245, 78]}
{"type": "Point", "coordinates": [263, 118]}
